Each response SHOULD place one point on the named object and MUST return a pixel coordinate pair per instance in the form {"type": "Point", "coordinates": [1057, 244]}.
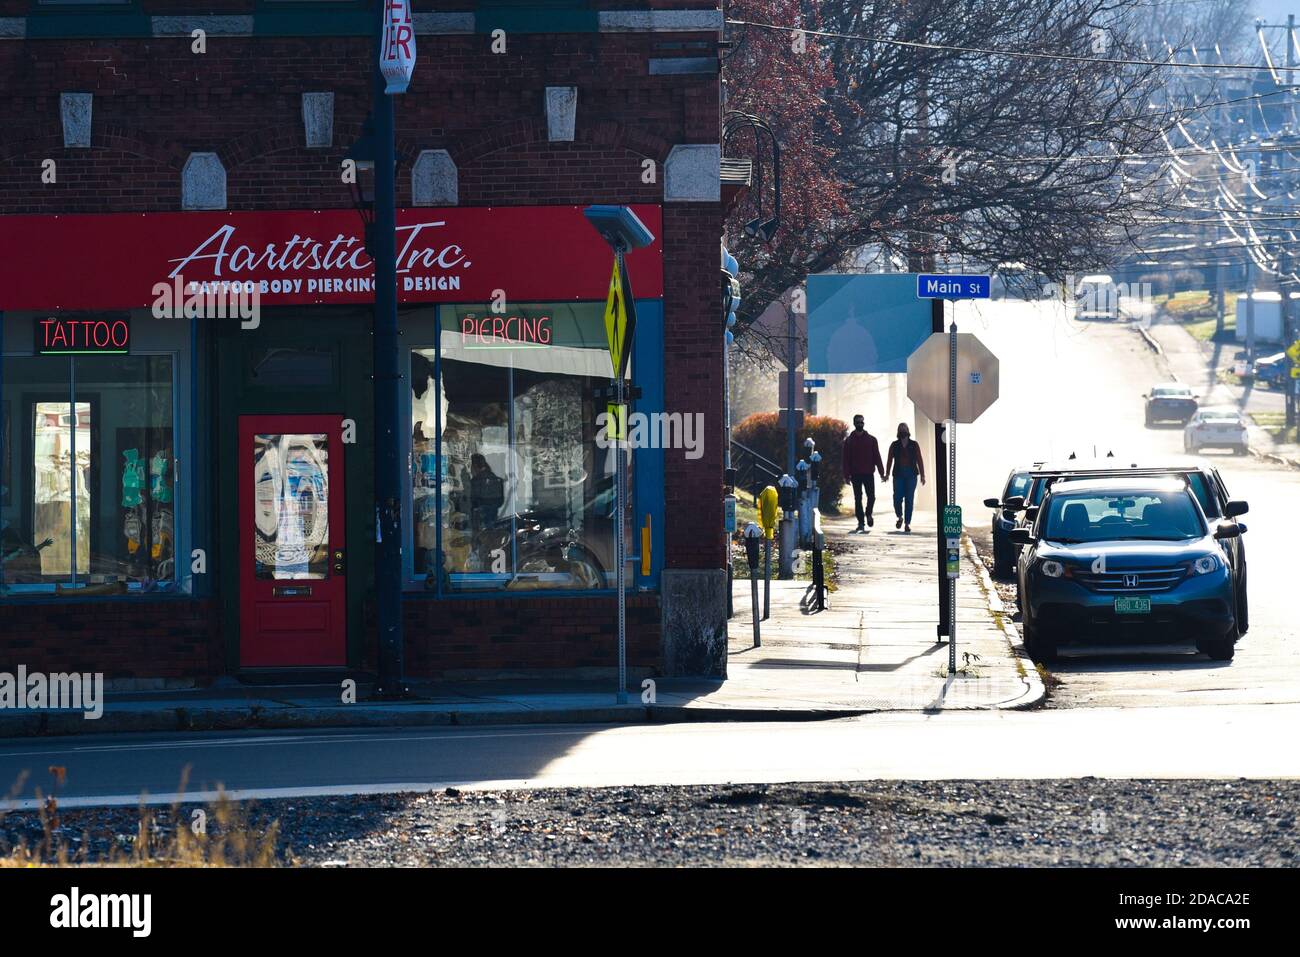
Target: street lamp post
{"type": "Point", "coordinates": [387, 379]}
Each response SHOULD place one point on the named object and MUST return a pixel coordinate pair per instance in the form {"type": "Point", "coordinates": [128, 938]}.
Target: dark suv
{"type": "Point", "coordinates": [1203, 479]}
{"type": "Point", "coordinates": [1129, 559]}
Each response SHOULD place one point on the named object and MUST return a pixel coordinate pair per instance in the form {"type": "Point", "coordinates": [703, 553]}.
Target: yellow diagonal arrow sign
{"type": "Point", "coordinates": [616, 320]}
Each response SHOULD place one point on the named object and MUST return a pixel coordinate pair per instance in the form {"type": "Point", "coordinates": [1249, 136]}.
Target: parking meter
{"type": "Point", "coordinates": [768, 501]}
{"type": "Point", "coordinates": [802, 469]}
{"type": "Point", "coordinates": [809, 444]}
{"type": "Point", "coordinates": [786, 492]}
{"type": "Point", "coordinates": [753, 536]}
{"type": "Point", "coordinates": [815, 461]}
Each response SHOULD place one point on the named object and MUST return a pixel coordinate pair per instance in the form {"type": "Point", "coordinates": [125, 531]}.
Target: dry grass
{"type": "Point", "coordinates": [222, 834]}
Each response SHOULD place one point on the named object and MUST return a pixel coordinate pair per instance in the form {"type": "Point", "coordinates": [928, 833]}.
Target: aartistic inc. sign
{"type": "Point", "coordinates": [445, 254]}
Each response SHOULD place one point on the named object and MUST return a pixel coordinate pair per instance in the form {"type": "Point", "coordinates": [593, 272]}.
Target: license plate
{"type": "Point", "coordinates": [1132, 606]}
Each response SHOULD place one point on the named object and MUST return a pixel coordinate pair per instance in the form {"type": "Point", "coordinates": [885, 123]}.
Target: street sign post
{"type": "Point", "coordinates": [952, 378]}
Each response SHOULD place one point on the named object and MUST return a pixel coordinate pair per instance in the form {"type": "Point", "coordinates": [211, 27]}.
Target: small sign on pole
{"type": "Point", "coordinates": [397, 49]}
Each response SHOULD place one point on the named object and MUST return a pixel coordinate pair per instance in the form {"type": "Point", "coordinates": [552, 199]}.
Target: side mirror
{"type": "Point", "coordinates": [1227, 530]}
{"type": "Point", "coordinates": [1242, 527]}
{"type": "Point", "coordinates": [1031, 513]}
{"type": "Point", "coordinates": [992, 503]}
{"type": "Point", "coordinates": [1021, 536]}
{"type": "Point", "coordinates": [1235, 507]}
{"type": "Point", "coordinates": [1014, 502]}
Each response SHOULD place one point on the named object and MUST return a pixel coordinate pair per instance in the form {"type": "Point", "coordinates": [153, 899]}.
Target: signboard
{"type": "Point", "coordinates": [66, 335]}
{"type": "Point", "coordinates": [397, 51]}
{"type": "Point", "coordinates": [620, 320]}
{"type": "Point", "coordinates": [952, 521]}
{"type": "Point", "coordinates": [783, 390]}
{"type": "Point", "coordinates": [928, 378]}
{"type": "Point", "coordinates": [729, 513]}
{"type": "Point", "coordinates": [951, 524]}
{"type": "Point", "coordinates": [297, 257]}
{"type": "Point", "coordinates": [952, 287]}
{"type": "Point", "coordinates": [864, 322]}
{"type": "Point", "coordinates": [782, 416]}
{"type": "Point", "coordinates": [814, 383]}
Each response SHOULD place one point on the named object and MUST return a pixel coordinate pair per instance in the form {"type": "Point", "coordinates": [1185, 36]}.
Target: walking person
{"type": "Point", "coordinates": [906, 465]}
{"type": "Point", "coordinates": [861, 459]}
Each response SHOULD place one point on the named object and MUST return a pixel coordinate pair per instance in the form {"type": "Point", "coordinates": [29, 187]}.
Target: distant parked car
{"type": "Point", "coordinates": [1216, 428]}
{"type": "Point", "coordinates": [1170, 401]}
{"type": "Point", "coordinates": [1272, 371]}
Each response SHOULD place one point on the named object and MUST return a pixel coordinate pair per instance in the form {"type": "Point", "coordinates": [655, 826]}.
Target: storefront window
{"type": "Point", "coordinates": [511, 486]}
{"type": "Point", "coordinates": [87, 477]}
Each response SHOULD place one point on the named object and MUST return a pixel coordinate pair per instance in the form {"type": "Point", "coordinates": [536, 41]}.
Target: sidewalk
{"type": "Point", "coordinates": [874, 649]}
{"type": "Point", "coordinates": [1200, 365]}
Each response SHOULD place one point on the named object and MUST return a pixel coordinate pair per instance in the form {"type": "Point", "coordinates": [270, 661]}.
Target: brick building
{"type": "Point", "coordinates": [186, 496]}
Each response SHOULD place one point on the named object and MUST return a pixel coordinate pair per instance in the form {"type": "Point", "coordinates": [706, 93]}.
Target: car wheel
{"type": "Point", "coordinates": [1243, 609]}
{"type": "Point", "coordinates": [1001, 560]}
{"type": "Point", "coordinates": [1241, 450]}
{"type": "Point", "coordinates": [1150, 421]}
{"type": "Point", "coordinates": [1221, 649]}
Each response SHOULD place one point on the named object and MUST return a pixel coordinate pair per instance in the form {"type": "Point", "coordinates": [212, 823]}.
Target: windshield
{"type": "Point", "coordinates": [1164, 516]}
{"type": "Point", "coordinates": [1019, 485]}
{"type": "Point", "coordinates": [1171, 391]}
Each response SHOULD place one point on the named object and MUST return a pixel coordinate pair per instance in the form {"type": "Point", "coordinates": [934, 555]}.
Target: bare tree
{"type": "Point", "coordinates": [986, 131]}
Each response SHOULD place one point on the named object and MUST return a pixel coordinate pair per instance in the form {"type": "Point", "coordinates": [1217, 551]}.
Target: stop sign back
{"type": "Point", "coordinates": [928, 379]}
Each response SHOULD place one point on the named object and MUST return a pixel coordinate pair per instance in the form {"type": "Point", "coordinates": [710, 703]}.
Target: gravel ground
{"type": "Point", "coordinates": [1086, 822]}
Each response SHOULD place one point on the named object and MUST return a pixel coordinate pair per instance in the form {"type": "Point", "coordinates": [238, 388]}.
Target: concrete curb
{"type": "Point", "coordinates": [167, 720]}
{"type": "Point", "coordinates": [1035, 691]}
{"type": "Point", "coordinates": [1150, 341]}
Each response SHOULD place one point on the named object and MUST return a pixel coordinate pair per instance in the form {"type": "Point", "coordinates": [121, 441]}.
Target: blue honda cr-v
{"type": "Point", "coordinates": [1125, 561]}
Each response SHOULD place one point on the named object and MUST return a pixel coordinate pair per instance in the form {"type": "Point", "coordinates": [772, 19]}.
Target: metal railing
{"type": "Point", "coordinates": [753, 471]}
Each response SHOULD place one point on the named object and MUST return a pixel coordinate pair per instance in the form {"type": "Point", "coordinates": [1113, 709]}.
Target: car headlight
{"type": "Point", "coordinates": [1205, 564]}
{"type": "Point", "coordinates": [1052, 569]}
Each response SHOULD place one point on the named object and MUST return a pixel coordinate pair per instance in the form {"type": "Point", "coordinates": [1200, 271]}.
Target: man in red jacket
{"type": "Point", "coordinates": [861, 457]}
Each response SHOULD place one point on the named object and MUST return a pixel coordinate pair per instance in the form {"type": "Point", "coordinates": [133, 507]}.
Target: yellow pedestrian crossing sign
{"type": "Point", "coordinates": [620, 319]}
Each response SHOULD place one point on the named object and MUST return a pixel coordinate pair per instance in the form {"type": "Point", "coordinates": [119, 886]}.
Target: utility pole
{"type": "Point", "coordinates": [387, 392]}
{"type": "Point", "coordinates": [1285, 284]}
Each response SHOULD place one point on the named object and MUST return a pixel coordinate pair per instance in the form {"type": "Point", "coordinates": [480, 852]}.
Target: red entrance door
{"type": "Point", "coordinates": [292, 565]}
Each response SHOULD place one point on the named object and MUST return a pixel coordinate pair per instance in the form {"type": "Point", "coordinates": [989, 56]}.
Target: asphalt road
{"type": "Point", "coordinates": [1176, 742]}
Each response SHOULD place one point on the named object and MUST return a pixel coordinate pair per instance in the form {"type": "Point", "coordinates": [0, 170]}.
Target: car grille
{"type": "Point", "coordinates": [1138, 580]}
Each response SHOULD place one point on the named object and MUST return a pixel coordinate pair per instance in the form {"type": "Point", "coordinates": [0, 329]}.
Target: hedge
{"type": "Point", "coordinates": [762, 434]}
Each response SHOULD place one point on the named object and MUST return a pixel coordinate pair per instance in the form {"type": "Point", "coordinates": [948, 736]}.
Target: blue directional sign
{"type": "Point", "coordinates": [952, 287]}
{"type": "Point", "coordinates": [814, 383]}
